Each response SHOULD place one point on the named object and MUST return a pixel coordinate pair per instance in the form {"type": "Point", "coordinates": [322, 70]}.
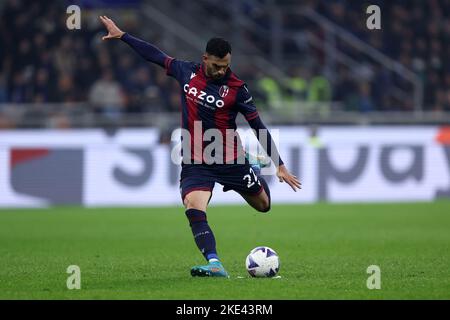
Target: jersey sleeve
{"type": "Point", "coordinates": [245, 104]}
{"type": "Point", "coordinates": [177, 68]}
{"type": "Point", "coordinates": [145, 49]}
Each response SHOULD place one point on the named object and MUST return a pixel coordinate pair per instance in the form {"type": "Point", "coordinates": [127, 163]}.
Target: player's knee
{"type": "Point", "coordinates": [189, 203]}
{"type": "Point", "coordinates": [264, 206]}
{"type": "Point", "coordinates": [193, 202]}
{"type": "Point", "coordinates": [264, 203]}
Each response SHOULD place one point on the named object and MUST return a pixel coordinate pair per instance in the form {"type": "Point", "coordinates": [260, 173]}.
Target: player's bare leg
{"type": "Point", "coordinates": [197, 200]}
{"type": "Point", "coordinates": [196, 203]}
{"type": "Point", "coordinates": [260, 202]}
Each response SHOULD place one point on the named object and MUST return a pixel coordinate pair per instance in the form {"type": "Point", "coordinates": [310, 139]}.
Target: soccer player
{"type": "Point", "coordinates": [211, 97]}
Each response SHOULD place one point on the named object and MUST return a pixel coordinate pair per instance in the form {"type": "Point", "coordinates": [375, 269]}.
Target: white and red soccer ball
{"type": "Point", "coordinates": [262, 262]}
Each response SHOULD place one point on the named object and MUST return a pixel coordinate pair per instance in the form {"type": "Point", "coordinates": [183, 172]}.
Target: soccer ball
{"type": "Point", "coordinates": [262, 262]}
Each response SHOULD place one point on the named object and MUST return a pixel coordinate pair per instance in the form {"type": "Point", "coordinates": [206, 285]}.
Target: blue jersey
{"type": "Point", "coordinates": [214, 103]}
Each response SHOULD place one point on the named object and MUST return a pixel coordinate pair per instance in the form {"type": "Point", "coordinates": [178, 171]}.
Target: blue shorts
{"type": "Point", "coordinates": [238, 177]}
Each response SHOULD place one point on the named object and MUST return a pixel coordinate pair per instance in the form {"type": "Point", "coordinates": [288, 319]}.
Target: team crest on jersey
{"type": "Point", "coordinates": [223, 91]}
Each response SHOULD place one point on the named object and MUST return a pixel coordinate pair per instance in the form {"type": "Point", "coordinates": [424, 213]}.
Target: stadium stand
{"type": "Point", "coordinates": [315, 71]}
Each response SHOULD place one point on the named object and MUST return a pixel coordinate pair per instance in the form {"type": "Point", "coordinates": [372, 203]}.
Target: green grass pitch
{"type": "Point", "coordinates": [146, 253]}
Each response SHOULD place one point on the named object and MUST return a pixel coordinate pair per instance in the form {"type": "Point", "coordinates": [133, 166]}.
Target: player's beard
{"type": "Point", "coordinates": [212, 74]}
{"type": "Point", "coordinates": [217, 76]}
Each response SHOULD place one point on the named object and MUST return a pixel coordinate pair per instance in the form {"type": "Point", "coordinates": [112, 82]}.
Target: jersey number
{"type": "Point", "coordinates": [251, 179]}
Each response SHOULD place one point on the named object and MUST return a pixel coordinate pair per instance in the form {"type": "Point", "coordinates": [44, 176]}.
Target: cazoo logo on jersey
{"type": "Point", "coordinates": [203, 96]}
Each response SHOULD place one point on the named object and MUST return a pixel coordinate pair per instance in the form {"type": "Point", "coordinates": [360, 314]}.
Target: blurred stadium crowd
{"type": "Point", "coordinates": [415, 33]}
{"type": "Point", "coordinates": [42, 62]}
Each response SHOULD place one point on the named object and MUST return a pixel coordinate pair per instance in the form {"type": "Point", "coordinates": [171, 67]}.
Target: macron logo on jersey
{"type": "Point", "coordinates": [193, 75]}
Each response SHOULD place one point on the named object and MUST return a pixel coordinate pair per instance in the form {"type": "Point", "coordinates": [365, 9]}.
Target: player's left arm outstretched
{"type": "Point", "coordinates": [248, 109]}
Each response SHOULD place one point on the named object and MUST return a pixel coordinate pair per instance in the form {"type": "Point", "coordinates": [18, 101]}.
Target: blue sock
{"type": "Point", "coordinates": [203, 235]}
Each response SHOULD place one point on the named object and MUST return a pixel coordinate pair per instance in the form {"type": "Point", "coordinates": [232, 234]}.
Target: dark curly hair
{"type": "Point", "coordinates": [218, 47]}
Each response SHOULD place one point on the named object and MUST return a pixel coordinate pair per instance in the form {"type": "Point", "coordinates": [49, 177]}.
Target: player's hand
{"type": "Point", "coordinates": [284, 176]}
{"type": "Point", "coordinates": [113, 31]}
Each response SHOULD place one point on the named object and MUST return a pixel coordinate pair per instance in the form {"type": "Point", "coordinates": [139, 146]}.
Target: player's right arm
{"type": "Point", "coordinates": [146, 50]}
{"type": "Point", "coordinates": [245, 105]}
